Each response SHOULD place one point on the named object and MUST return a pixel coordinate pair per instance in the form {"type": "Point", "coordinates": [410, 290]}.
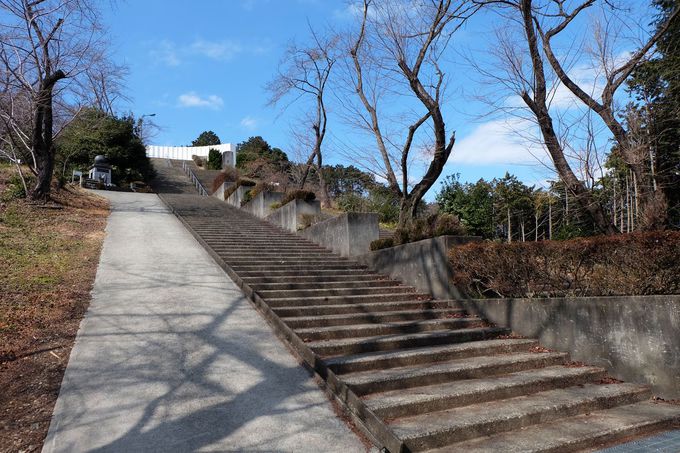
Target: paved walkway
{"type": "Point", "coordinates": [171, 357]}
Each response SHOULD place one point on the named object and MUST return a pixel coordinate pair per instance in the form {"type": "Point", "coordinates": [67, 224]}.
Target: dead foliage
{"type": "Point", "coordinates": [631, 264]}
{"type": "Point", "coordinates": [48, 260]}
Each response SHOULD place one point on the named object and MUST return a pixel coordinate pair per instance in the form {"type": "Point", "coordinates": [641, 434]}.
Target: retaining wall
{"type": "Point", "coordinates": [423, 264]}
{"type": "Point", "coordinates": [260, 206]}
{"type": "Point", "coordinates": [289, 215]}
{"type": "Point", "coordinates": [637, 338]}
{"type": "Point", "coordinates": [349, 234]}
{"type": "Point", "coordinates": [236, 197]}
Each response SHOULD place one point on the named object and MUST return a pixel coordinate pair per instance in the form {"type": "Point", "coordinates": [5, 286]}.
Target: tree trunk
{"type": "Point", "coordinates": [407, 211]}
{"type": "Point", "coordinates": [538, 103]}
{"type": "Point", "coordinates": [42, 140]}
{"type": "Point", "coordinates": [509, 227]}
{"type": "Point", "coordinates": [550, 221]}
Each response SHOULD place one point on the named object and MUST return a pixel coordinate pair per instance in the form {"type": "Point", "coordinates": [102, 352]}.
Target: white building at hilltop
{"type": "Point", "coordinates": [185, 152]}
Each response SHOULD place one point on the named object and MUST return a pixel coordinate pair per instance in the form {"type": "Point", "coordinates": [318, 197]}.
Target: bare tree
{"type": "Point", "coordinates": [305, 74]}
{"type": "Point", "coordinates": [653, 204]}
{"type": "Point", "coordinates": [403, 46]}
{"type": "Point", "coordinates": [46, 50]}
{"type": "Point", "coordinates": [522, 71]}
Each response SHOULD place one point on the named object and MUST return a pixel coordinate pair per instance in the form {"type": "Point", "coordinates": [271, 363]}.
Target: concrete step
{"type": "Point", "coordinates": [297, 267]}
{"type": "Point", "coordinates": [420, 400]}
{"type": "Point", "coordinates": [343, 291]}
{"type": "Point", "coordinates": [294, 261]}
{"type": "Point", "coordinates": [323, 310]}
{"type": "Point", "coordinates": [315, 284]}
{"type": "Point", "coordinates": [342, 300]}
{"type": "Point", "coordinates": [577, 433]}
{"type": "Point", "coordinates": [320, 279]}
{"type": "Point", "coordinates": [441, 428]}
{"type": "Point", "coordinates": [365, 318]}
{"type": "Point", "coordinates": [425, 355]}
{"type": "Point", "coordinates": [371, 330]}
{"type": "Point", "coordinates": [262, 255]}
{"type": "Point", "coordinates": [366, 382]}
{"type": "Point", "coordinates": [300, 273]}
{"type": "Point", "coordinates": [267, 248]}
{"type": "Point", "coordinates": [391, 342]}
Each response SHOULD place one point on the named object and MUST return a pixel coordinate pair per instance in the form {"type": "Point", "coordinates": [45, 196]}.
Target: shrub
{"type": "Point", "coordinates": [307, 220]}
{"type": "Point", "coordinates": [275, 205]}
{"type": "Point", "coordinates": [299, 194]}
{"type": "Point", "coordinates": [214, 159]}
{"type": "Point", "coordinates": [226, 175]}
{"type": "Point", "coordinates": [15, 189]}
{"type": "Point", "coordinates": [428, 227]}
{"type": "Point", "coordinates": [351, 202]}
{"type": "Point", "coordinates": [382, 243]}
{"type": "Point", "coordinates": [199, 161]}
{"type": "Point", "coordinates": [239, 182]}
{"type": "Point", "coordinates": [261, 187]}
{"type": "Point", "coordinates": [631, 264]}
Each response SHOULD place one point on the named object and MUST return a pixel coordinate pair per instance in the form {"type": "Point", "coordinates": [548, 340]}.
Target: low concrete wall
{"type": "Point", "coordinates": [260, 206]}
{"type": "Point", "coordinates": [422, 264]}
{"type": "Point", "coordinates": [219, 193]}
{"type": "Point", "coordinates": [236, 197]}
{"type": "Point", "coordinates": [349, 234]}
{"type": "Point", "coordinates": [637, 338]}
{"type": "Point", "coordinates": [288, 216]}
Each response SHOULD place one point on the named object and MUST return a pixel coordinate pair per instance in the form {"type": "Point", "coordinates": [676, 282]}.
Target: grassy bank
{"type": "Point", "coordinates": [48, 260]}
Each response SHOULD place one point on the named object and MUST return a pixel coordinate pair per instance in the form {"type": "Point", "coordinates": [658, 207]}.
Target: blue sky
{"type": "Point", "coordinates": [203, 65]}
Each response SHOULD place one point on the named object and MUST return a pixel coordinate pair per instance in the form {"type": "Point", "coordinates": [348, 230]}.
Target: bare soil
{"type": "Point", "coordinates": [48, 260]}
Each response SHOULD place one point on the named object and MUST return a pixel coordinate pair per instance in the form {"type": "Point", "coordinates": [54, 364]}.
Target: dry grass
{"type": "Point", "coordinates": [48, 260]}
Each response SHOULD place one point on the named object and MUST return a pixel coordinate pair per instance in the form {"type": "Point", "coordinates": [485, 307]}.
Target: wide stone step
{"type": "Point", "coordinates": [342, 300]}
{"type": "Point", "coordinates": [297, 267]}
{"type": "Point", "coordinates": [366, 382]}
{"type": "Point", "coordinates": [294, 273]}
{"type": "Point", "coordinates": [323, 310]}
{"type": "Point", "coordinates": [264, 247]}
{"type": "Point", "coordinates": [392, 342]}
{"type": "Point", "coordinates": [344, 291]}
{"type": "Point", "coordinates": [425, 355]}
{"type": "Point", "coordinates": [262, 255]}
{"type": "Point", "coordinates": [420, 400]}
{"type": "Point", "coordinates": [441, 428]}
{"type": "Point", "coordinates": [367, 330]}
{"type": "Point", "coordinates": [365, 318]}
{"type": "Point", "coordinates": [320, 279]}
{"type": "Point", "coordinates": [294, 261]}
{"type": "Point", "coordinates": [316, 284]}
{"type": "Point", "coordinates": [577, 433]}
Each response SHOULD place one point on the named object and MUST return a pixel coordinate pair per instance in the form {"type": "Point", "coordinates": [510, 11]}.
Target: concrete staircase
{"type": "Point", "coordinates": [417, 374]}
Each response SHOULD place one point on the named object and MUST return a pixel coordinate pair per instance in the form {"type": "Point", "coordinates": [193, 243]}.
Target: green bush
{"type": "Point", "coordinates": [299, 194]}
{"type": "Point", "coordinates": [351, 202]}
{"type": "Point", "coordinates": [15, 189]}
{"type": "Point", "coordinates": [382, 243]}
{"type": "Point", "coordinates": [214, 159]}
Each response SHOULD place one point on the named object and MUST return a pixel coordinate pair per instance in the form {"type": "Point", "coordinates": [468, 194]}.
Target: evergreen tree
{"type": "Point", "coordinates": [206, 138]}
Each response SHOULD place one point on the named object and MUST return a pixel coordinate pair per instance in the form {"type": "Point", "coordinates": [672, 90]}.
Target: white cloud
{"type": "Point", "coordinates": [192, 99]}
{"type": "Point", "coordinates": [216, 50]}
{"type": "Point", "coordinates": [172, 54]}
{"type": "Point", "coordinates": [166, 54]}
{"type": "Point", "coordinates": [496, 142]}
{"type": "Point", "coordinates": [249, 123]}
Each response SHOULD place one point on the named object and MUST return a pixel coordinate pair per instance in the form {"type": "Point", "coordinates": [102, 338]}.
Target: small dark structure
{"type": "Point", "coordinates": [101, 170]}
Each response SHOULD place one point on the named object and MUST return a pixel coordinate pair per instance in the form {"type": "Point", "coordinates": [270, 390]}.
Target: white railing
{"type": "Point", "coordinates": [194, 179]}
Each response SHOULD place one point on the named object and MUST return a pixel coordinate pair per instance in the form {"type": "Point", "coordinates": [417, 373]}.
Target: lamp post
{"type": "Point", "coordinates": [140, 125]}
